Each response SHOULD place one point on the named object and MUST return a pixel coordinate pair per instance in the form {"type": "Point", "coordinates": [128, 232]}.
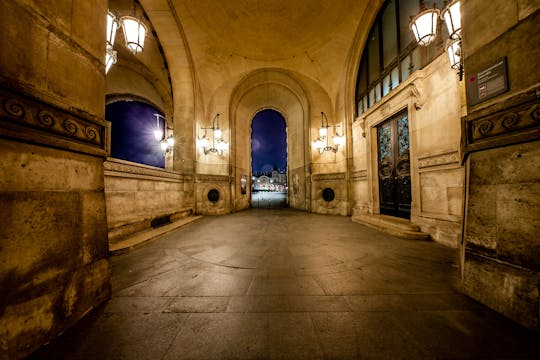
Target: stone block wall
{"type": "Point", "coordinates": [148, 192]}
{"type": "Point", "coordinates": [332, 205]}
{"type": "Point", "coordinates": [502, 250]}
{"type": "Point", "coordinates": [219, 202]}
{"type": "Point", "coordinates": [500, 264]}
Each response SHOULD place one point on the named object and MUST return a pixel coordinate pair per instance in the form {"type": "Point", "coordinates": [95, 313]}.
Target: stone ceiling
{"type": "Point", "coordinates": [266, 30]}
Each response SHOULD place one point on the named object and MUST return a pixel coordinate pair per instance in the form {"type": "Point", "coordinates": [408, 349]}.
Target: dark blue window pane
{"type": "Point", "coordinates": [132, 132]}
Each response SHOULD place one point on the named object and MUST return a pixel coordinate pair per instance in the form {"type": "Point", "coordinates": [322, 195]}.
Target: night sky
{"type": "Point", "coordinates": [132, 136]}
{"type": "Point", "coordinates": [268, 141]}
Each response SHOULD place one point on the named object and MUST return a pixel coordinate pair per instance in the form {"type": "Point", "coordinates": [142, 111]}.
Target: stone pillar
{"type": "Point", "coordinates": [501, 143]}
{"type": "Point", "coordinates": [54, 265]}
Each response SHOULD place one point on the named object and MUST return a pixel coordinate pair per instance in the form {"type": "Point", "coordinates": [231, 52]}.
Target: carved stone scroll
{"type": "Point", "coordinates": [27, 118]}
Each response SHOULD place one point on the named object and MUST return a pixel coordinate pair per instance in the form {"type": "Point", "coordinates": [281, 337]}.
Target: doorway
{"type": "Point", "coordinates": [269, 186]}
{"type": "Point", "coordinates": [394, 166]}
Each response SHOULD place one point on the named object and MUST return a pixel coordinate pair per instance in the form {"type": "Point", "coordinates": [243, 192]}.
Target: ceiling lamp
{"type": "Point", "coordinates": [110, 53]}
{"type": "Point", "coordinates": [218, 145]}
{"type": "Point", "coordinates": [112, 26]}
{"type": "Point", "coordinates": [425, 31]}
{"type": "Point", "coordinates": [166, 143]}
{"type": "Point", "coordinates": [452, 17]}
{"type": "Point", "coordinates": [424, 25]}
{"type": "Point", "coordinates": [134, 33]}
{"type": "Point", "coordinates": [322, 142]}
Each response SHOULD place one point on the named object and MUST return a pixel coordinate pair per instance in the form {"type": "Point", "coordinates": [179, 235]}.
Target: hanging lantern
{"type": "Point", "coordinates": [452, 18]}
{"type": "Point", "coordinates": [203, 142]}
{"type": "Point", "coordinates": [170, 141]}
{"type": "Point", "coordinates": [338, 139]}
{"type": "Point", "coordinates": [112, 26]}
{"type": "Point", "coordinates": [218, 133]}
{"type": "Point", "coordinates": [453, 47]}
{"type": "Point", "coordinates": [134, 33]}
{"type": "Point", "coordinates": [110, 54]}
{"type": "Point", "coordinates": [318, 144]}
{"type": "Point", "coordinates": [424, 25]}
{"type": "Point", "coordinates": [221, 146]}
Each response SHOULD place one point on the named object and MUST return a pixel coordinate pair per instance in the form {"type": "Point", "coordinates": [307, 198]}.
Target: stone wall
{"type": "Point", "coordinates": [219, 200]}
{"type": "Point", "coordinates": [501, 242]}
{"type": "Point", "coordinates": [54, 265]}
{"type": "Point", "coordinates": [148, 192]}
{"type": "Point", "coordinates": [431, 97]}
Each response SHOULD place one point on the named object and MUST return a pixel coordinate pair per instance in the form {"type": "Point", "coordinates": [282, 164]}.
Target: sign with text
{"type": "Point", "coordinates": [488, 83]}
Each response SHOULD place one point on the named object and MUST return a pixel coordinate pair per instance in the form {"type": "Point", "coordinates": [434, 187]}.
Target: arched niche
{"type": "Point", "coordinates": [277, 90]}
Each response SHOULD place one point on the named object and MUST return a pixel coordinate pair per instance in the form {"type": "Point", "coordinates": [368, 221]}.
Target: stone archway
{"type": "Point", "coordinates": [271, 89]}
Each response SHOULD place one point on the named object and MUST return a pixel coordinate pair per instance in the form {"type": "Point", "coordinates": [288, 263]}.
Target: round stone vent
{"type": "Point", "coordinates": [328, 194]}
{"type": "Point", "coordinates": [213, 196]}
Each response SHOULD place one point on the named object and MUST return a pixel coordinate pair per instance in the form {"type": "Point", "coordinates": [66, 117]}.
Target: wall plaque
{"type": "Point", "coordinates": [488, 83]}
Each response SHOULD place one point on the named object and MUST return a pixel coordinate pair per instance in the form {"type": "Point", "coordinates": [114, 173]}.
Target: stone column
{"type": "Point", "coordinates": [54, 265]}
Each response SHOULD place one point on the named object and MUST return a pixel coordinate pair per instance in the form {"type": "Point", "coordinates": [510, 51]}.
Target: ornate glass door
{"type": "Point", "coordinates": [394, 166]}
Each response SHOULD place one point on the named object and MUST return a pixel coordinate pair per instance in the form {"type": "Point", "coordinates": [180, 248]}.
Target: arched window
{"type": "Point", "coordinates": [132, 132]}
{"type": "Point", "coordinates": [390, 53]}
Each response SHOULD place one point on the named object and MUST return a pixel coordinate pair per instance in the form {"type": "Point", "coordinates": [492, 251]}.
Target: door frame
{"type": "Point", "coordinates": [394, 118]}
{"type": "Point", "coordinates": [382, 112]}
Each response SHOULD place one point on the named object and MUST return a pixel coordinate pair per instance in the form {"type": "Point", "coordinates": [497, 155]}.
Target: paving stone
{"type": "Point", "coordinates": [328, 288]}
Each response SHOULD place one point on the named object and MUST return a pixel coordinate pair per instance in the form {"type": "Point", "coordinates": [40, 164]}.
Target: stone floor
{"type": "Point", "coordinates": [283, 284]}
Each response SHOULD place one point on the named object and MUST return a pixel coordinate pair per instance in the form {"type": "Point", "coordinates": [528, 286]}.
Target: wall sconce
{"type": "Point", "coordinates": [166, 142]}
{"type": "Point", "coordinates": [424, 28]}
{"type": "Point", "coordinates": [322, 142]}
{"type": "Point", "coordinates": [110, 54]}
{"type": "Point", "coordinates": [134, 34]}
{"type": "Point", "coordinates": [218, 144]}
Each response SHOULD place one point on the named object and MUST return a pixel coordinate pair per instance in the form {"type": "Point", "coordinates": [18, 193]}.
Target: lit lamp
{"type": "Point", "coordinates": [453, 48]}
{"type": "Point", "coordinates": [322, 142]}
{"type": "Point", "coordinates": [218, 144]}
{"type": "Point", "coordinates": [452, 17]}
{"type": "Point", "coordinates": [424, 31]}
{"type": "Point", "coordinates": [166, 143]}
{"type": "Point", "coordinates": [134, 33]}
{"type": "Point", "coordinates": [424, 25]}
{"type": "Point", "coordinates": [110, 53]}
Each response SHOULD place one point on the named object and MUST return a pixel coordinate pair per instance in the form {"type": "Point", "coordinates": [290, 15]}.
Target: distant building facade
{"type": "Point", "coordinates": [274, 181]}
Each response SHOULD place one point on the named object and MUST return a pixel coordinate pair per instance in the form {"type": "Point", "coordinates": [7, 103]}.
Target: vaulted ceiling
{"type": "Point", "coordinates": [226, 40]}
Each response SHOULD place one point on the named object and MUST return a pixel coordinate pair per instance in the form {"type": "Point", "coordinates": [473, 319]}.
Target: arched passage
{"type": "Point", "coordinates": [270, 89]}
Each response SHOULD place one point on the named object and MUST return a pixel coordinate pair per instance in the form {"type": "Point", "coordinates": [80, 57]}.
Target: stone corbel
{"type": "Point", "coordinates": [363, 126]}
{"type": "Point", "coordinates": [416, 91]}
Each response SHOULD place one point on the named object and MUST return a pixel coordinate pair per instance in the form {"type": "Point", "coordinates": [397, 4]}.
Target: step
{"type": "Point", "coordinates": [399, 227]}
{"type": "Point", "coordinates": [143, 237]}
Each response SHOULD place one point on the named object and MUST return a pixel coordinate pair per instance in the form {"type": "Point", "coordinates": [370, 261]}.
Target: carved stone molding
{"type": "Point", "coordinates": [508, 122]}
{"type": "Point", "coordinates": [212, 178]}
{"type": "Point", "coordinates": [360, 175]}
{"type": "Point", "coordinates": [385, 110]}
{"type": "Point", "coordinates": [331, 176]}
{"type": "Point", "coordinates": [450, 158]}
{"type": "Point", "coordinates": [27, 118]}
{"type": "Point", "coordinates": [121, 168]}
